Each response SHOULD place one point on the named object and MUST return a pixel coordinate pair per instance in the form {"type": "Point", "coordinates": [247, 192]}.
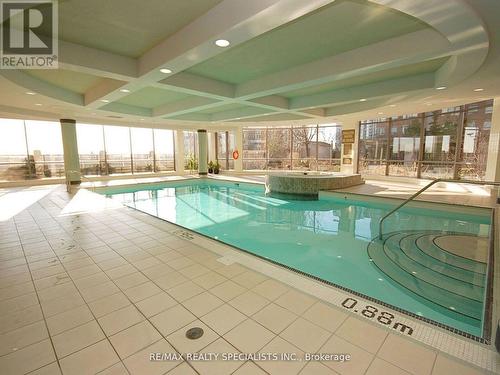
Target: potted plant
{"type": "Point", "coordinates": [211, 167]}
{"type": "Point", "coordinates": [216, 167]}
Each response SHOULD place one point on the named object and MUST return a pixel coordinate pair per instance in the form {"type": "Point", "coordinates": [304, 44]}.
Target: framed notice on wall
{"type": "Point", "coordinates": [348, 136]}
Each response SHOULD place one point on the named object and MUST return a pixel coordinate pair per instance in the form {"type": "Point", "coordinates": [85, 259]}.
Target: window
{"type": "Point", "coordinates": [191, 150]}
{"type": "Point", "coordinates": [225, 145]}
{"type": "Point", "coordinates": [164, 150]}
{"type": "Point", "coordinates": [299, 148]}
{"type": "Point", "coordinates": [143, 154]}
{"type": "Point", "coordinates": [91, 149]}
{"type": "Point", "coordinates": [30, 150]}
{"type": "Point", "coordinates": [451, 143]}
{"type": "Point", "coordinates": [117, 144]}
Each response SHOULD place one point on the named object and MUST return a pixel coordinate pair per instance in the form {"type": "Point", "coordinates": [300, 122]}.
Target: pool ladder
{"type": "Point", "coordinates": [381, 221]}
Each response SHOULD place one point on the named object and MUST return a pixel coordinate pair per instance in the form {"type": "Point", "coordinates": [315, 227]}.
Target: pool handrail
{"type": "Point", "coordinates": [381, 221]}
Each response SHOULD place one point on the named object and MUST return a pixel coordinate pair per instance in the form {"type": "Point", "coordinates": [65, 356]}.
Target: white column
{"type": "Point", "coordinates": [202, 152]}
{"type": "Point", "coordinates": [70, 147]}
{"type": "Point", "coordinates": [238, 140]}
{"type": "Point", "coordinates": [493, 161]}
{"type": "Point", "coordinates": [211, 146]}
{"type": "Point", "coordinates": [179, 151]}
{"type": "Point", "coordinates": [353, 155]}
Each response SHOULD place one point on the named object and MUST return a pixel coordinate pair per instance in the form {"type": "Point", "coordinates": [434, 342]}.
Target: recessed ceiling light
{"type": "Point", "coordinates": [441, 88]}
{"type": "Point", "coordinates": [38, 104]}
{"type": "Point", "coordinates": [30, 93]}
{"type": "Point", "coordinates": [477, 90]}
{"type": "Point", "coordinates": [362, 100]}
{"type": "Point", "coordinates": [222, 43]}
{"type": "Point", "coordinates": [381, 113]}
{"type": "Point", "coordinates": [428, 103]}
{"type": "Point", "coordinates": [105, 100]}
{"type": "Point", "coordinates": [125, 90]}
{"type": "Point", "coordinates": [392, 105]}
{"type": "Point", "coordinates": [142, 119]}
{"type": "Point", "coordinates": [165, 71]}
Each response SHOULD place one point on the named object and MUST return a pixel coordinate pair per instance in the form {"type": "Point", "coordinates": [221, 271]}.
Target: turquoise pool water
{"type": "Point", "coordinates": [327, 238]}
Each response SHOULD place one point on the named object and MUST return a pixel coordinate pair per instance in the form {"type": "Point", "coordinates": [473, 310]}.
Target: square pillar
{"type": "Point", "coordinates": [349, 151]}
{"type": "Point", "coordinates": [179, 151]}
{"type": "Point", "coordinates": [202, 152]}
{"type": "Point", "coordinates": [70, 147]}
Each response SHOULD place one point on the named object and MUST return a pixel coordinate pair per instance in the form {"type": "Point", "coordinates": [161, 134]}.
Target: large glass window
{"type": "Point", "coordinates": [225, 145]}
{"type": "Point", "coordinates": [164, 150]}
{"type": "Point", "coordinates": [299, 148]}
{"type": "Point", "coordinates": [191, 150]}
{"type": "Point", "coordinates": [14, 160]}
{"type": "Point", "coordinates": [91, 149]}
{"type": "Point", "coordinates": [143, 154]}
{"type": "Point", "coordinates": [117, 144]}
{"type": "Point", "coordinates": [450, 143]}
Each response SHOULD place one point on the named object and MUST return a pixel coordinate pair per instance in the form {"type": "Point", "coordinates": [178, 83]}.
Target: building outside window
{"type": "Point", "coordinates": [313, 148]}
{"type": "Point", "coordinates": [225, 144]}
{"type": "Point", "coordinates": [450, 143]}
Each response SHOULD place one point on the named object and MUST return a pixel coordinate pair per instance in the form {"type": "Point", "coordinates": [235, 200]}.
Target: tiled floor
{"type": "Point", "coordinates": [87, 290]}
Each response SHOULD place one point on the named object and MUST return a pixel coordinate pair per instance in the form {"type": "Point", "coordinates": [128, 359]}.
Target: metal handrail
{"type": "Point", "coordinates": [381, 221]}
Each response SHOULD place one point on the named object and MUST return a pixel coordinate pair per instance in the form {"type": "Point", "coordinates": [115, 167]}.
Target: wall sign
{"type": "Point", "coordinates": [348, 136]}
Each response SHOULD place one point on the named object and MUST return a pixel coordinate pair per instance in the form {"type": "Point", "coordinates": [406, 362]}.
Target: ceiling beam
{"type": "Point", "coordinates": [183, 106]}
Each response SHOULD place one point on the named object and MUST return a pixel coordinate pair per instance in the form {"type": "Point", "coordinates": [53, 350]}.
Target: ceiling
{"type": "Point", "coordinates": [288, 61]}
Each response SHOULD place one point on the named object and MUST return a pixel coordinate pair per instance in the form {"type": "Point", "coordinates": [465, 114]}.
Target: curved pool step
{"type": "Point", "coordinates": [408, 244]}
{"type": "Point", "coordinates": [413, 269]}
{"type": "Point", "coordinates": [426, 242]}
{"type": "Point", "coordinates": [399, 256]}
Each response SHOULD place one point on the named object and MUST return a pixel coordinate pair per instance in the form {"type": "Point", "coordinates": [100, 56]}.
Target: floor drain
{"type": "Point", "coordinates": [194, 333]}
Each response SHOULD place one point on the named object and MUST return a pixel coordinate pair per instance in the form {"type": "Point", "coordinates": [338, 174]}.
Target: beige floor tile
{"type": "Point", "coordinates": [185, 291]}
{"type": "Point", "coordinates": [56, 291]}
{"type": "Point", "coordinates": [408, 355]}
{"type": "Point", "coordinates": [20, 319]}
{"type": "Point", "coordinates": [121, 271]}
{"type": "Point", "coordinates": [170, 280]}
{"type": "Point", "coordinates": [53, 280]}
{"type": "Point", "coordinates": [271, 289]}
{"type": "Point", "coordinates": [92, 280]}
{"type": "Point", "coordinates": [146, 263]}
{"type": "Point", "coordinates": [274, 317]}
{"type": "Point", "coordinates": [90, 360]}
{"type": "Point", "coordinates": [99, 291]}
{"type": "Point", "coordinates": [69, 319]}
{"type": "Point", "coordinates": [317, 368]}
{"type": "Point", "coordinates": [249, 368]}
{"type": "Point", "coordinates": [21, 337]}
{"type": "Point", "coordinates": [16, 290]}
{"type": "Point", "coordinates": [184, 345]}
{"type": "Point", "coordinates": [109, 304]}
{"type": "Point", "coordinates": [27, 359]}
{"type": "Point", "coordinates": [183, 369]}
{"type": "Point", "coordinates": [445, 366]}
{"type": "Point", "coordinates": [362, 334]}
{"type": "Point", "coordinates": [77, 338]}
{"type": "Point", "coordinates": [280, 346]}
{"type": "Point", "coordinates": [223, 318]}
{"type": "Point", "coordinates": [51, 369]}
{"type": "Point", "coordinates": [18, 303]}
{"type": "Point", "coordinates": [134, 338]}
{"type": "Point", "coordinates": [325, 316]}
{"type": "Point", "coordinates": [217, 367]}
{"type": "Point", "coordinates": [305, 335]}
{"type": "Point", "coordinates": [249, 279]}
{"type": "Point", "coordinates": [131, 280]}
{"type": "Point", "coordinates": [194, 270]}
{"type": "Point", "coordinates": [172, 319]}
{"type": "Point", "coordinates": [120, 319]}
{"type": "Point", "coordinates": [140, 364]}
{"type": "Point", "coordinates": [157, 271]}
{"type": "Point", "coordinates": [142, 291]}
{"type": "Point", "coordinates": [156, 304]}
{"type": "Point", "coordinates": [295, 301]}
{"type": "Point", "coordinates": [249, 303]}
{"type": "Point", "coordinates": [381, 367]}
{"type": "Point", "coordinates": [84, 271]}
{"type": "Point", "coordinates": [231, 270]}
{"type": "Point", "coordinates": [358, 363]}
{"type": "Point", "coordinates": [202, 303]}
{"type": "Point", "coordinates": [249, 336]}
{"type": "Point", "coordinates": [59, 305]}
{"type": "Point", "coordinates": [209, 280]}
{"type": "Point", "coordinates": [228, 290]}
{"type": "Point", "coordinates": [180, 263]}
{"type": "Point", "coordinates": [116, 369]}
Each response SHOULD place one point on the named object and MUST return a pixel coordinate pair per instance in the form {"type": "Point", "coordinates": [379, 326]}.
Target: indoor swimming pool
{"type": "Point", "coordinates": [415, 268]}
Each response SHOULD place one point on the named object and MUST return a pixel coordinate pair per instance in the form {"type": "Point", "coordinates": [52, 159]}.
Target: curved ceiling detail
{"type": "Point", "coordinates": [288, 60]}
